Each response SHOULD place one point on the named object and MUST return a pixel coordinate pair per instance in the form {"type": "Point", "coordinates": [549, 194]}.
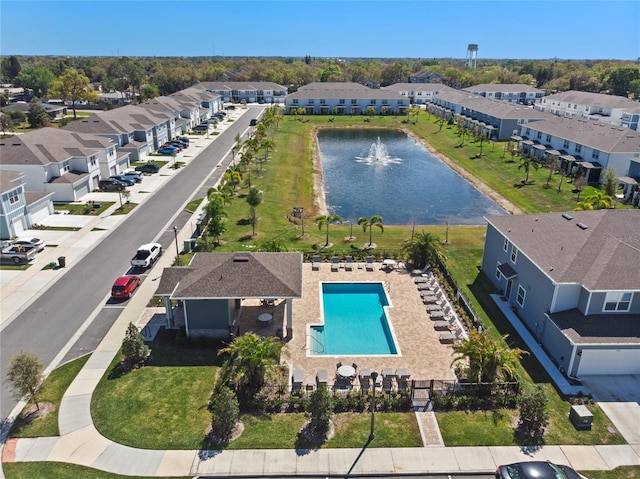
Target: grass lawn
{"type": "Point", "coordinates": [81, 209]}
{"type": "Point", "coordinates": [14, 267]}
{"type": "Point", "coordinates": [125, 209]}
{"type": "Point", "coordinates": [57, 470]}
{"type": "Point", "coordinates": [52, 391]}
{"type": "Point", "coordinates": [192, 206]}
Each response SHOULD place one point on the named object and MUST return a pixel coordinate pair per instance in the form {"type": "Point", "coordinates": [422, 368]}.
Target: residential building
{"type": "Point", "coordinates": [20, 209]}
{"type": "Point", "coordinates": [425, 76]}
{"type": "Point", "coordinates": [418, 93]}
{"type": "Point", "coordinates": [611, 109]}
{"type": "Point", "coordinates": [135, 130]}
{"type": "Point", "coordinates": [211, 289]}
{"type": "Point", "coordinates": [326, 98]}
{"type": "Point", "coordinates": [55, 112]}
{"type": "Point", "coordinates": [61, 162]}
{"type": "Point", "coordinates": [573, 281]}
{"type": "Point", "coordinates": [586, 144]}
{"type": "Point", "coordinates": [249, 92]}
{"type": "Point", "coordinates": [496, 119]}
{"type": "Point", "coordinates": [510, 92]}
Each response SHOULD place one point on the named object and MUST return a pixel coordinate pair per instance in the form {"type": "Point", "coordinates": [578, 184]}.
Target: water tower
{"type": "Point", "coordinates": [472, 55]}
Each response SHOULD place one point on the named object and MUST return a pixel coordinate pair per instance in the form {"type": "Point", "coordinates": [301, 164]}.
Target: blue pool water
{"type": "Point", "coordinates": [355, 322]}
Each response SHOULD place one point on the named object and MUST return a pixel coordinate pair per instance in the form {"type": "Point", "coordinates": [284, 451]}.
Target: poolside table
{"type": "Point", "coordinates": [265, 317]}
{"type": "Point", "coordinates": [346, 371]}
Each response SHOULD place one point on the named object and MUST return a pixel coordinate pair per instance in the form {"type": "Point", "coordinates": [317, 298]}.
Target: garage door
{"type": "Point", "coordinates": [82, 191]}
{"type": "Point", "coordinates": [623, 361]}
{"type": "Point", "coordinates": [18, 226]}
{"type": "Point", "coordinates": [38, 215]}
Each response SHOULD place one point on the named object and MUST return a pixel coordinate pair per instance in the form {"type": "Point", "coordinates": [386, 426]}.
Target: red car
{"type": "Point", "coordinates": [124, 286]}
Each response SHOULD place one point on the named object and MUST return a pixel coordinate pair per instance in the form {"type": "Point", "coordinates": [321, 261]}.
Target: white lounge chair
{"type": "Point", "coordinates": [316, 263]}
{"type": "Point", "coordinates": [444, 325]}
{"type": "Point", "coordinates": [335, 264]}
{"type": "Point", "coordinates": [348, 264]}
{"type": "Point", "coordinates": [322, 378]}
{"type": "Point", "coordinates": [297, 380]}
{"type": "Point", "coordinates": [448, 338]}
{"type": "Point", "coordinates": [370, 263]}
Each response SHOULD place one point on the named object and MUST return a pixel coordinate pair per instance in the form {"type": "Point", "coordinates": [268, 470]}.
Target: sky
{"type": "Point", "coordinates": [518, 29]}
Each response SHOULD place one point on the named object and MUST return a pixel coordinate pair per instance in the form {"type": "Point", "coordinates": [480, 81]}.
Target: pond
{"type": "Point", "coordinates": [386, 172]}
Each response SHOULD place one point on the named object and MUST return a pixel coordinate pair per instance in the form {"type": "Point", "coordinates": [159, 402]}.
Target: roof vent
{"type": "Point", "coordinates": [567, 216]}
{"type": "Point", "coordinates": [582, 226]}
{"type": "Point", "coordinates": [240, 258]}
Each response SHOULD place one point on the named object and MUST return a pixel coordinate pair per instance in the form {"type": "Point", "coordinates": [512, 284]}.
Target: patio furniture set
{"type": "Point", "coordinates": [347, 265]}
{"type": "Point", "coordinates": [388, 380]}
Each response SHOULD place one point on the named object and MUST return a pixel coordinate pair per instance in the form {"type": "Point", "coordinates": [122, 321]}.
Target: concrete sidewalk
{"type": "Point", "coordinates": [80, 443]}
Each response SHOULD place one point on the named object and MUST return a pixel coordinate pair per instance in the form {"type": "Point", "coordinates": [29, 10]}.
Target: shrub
{"type": "Point", "coordinates": [320, 409]}
{"type": "Point", "coordinates": [534, 416]}
{"type": "Point", "coordinates": [133, 348]}
{"type": "Point", "coordinates": [225, 412]}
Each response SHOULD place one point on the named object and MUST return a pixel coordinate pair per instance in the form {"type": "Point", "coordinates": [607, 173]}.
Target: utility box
{"type": "Point", "coordinates": [187, 246]}
{"type": "Point", "coordinates": [581, 417]}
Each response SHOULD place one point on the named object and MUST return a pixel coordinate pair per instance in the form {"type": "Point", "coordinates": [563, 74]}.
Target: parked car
{"type": "Point", "coordinates": [111, 185]}
{"type": "Point", "coordinates": [124, 286]}
{"type": "Point", "coordinates": [201, 128]}
{"type": "Point", "coordinates": [17, 254]}
{"type": "Point", "coordinates": [36, 243]}
{"type": "Point", "coordinates": [148, 168]}
{"type": "Point", "coordinates": [169, 144]}
{"type": "Point", "coordinates": [134, 175]}
{"type": "Point", "coordinates": [536, 470]}
{"type": "Point", "coordinates": [146, 255]}
{"type": "Point", "coordinates": [179, 144]}
{"type": "Point", "coordinates": [185, 139]}
{"type": "Point", "coordinates": [124, 179]}
{"type": "Point", "coordinates": [168, 150]}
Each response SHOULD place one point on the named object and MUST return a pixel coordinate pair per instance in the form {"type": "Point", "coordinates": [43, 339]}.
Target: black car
{"type": "Point", "coordinates": [111, 185]}
{"type": "Point", "coordinates": [148, 168]}
{"type": "Point", "coordinates": [536, 470]}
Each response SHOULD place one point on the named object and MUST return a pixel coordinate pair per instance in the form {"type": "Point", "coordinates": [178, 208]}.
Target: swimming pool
{"type": "Point", "coordinates": [354, 321]}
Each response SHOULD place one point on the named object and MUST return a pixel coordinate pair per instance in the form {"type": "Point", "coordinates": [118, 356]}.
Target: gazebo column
{"type": "Point", "coordinates": [168, 311]}
{"type": "Point", "coordinates": [289, 310]}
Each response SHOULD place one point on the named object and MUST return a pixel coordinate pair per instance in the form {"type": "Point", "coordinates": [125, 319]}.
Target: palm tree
{"type": "Point", "coordinates": [424, 249]}
{"type": "Point", "coordinates": [326, 220]}
{"type": "Point", "coordinates": [375, 220]}
{"type": "Point", "coordinates": [597, 200]}
{"type": "Point", "coordinates": [251, 359]}
{"type": "Point", "coordinates": [488, 360]}
{"type": "Point", "coordinates": [526, 163]}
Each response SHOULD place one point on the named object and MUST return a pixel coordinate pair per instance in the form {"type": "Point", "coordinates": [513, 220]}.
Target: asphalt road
{"type": "Point", "coordinates": [50, 322]}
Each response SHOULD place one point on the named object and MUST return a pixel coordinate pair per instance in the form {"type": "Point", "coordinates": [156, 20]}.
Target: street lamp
{"type": "Point", "coordinates": [374, 377]}
{"type": "Point", "coordinates": [175, 235]}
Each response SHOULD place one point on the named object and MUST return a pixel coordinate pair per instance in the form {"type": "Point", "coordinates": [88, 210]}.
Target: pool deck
{"type": "Point", "coordinates": [420, 349]}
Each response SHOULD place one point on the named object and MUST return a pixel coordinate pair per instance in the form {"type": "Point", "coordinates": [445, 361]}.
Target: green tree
{"type": "Point", "coordinates": [425, 249]}
{"type": "Point", "coordinates": [73, 86]}
{"type": "Point", "coordinates": [252, 358]}
{"type": "Point", "coordinates": [609, 181]}
{"type": "Point", "coordinates": [225, 412]}
{"type": "Point", "coordinates": [579, 183]}
{"type": "Point", "coordinates": [134, 350]}
{"type": "Point", "coordinates": [254, 198]}
{"type": "Point", "coordinates": [25, 375]}
{"type": "Point", "coordinates": [10, 67]}
{"type": "Point", "coordinates": [320, 411]}
{"type": "Point", "coordinates": [488, 360]}
{"type": "Point", "coordinates": [325, 221]}
{"type": "Point", "coordinates": [619, 79]}
{"type": "Point", "coordinates": [526, 162]}
{"type": "Point", "coordinates": [38, 78]}
{"type": "Point", "coordinates": [6, 123]}
{"type": "Point", "coordinates": [274, 246]}
{"type": "Point", "coordinates": [369, 223]}
{"type": "Point", "coordinates": [552, 165]}
{"type": "Point", "coordinates": [534, 413]}
{"type": "Point", "coordinates": [37, 116]}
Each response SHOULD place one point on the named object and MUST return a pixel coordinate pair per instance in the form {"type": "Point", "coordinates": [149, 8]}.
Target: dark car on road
{"type": "Point", "coordinates": [148, 168]}
{"type": "Point", "coordinates": [536, 470]}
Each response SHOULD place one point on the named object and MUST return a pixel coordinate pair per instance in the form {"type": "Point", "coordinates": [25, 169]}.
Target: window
{"type": "Point", "coordinates": [92, 160]}
{"type": "Point", "coordinates": [578, 148]}
{"type": "Point", "coordinates": [566, 144]}
{"type": "Point", "coordinates": [323, 102]}
{"type": "Point", "coordinates": [353, 102]}
{"type": "Point", "coordinates": [373, 102]}
{"type": "Point", "coordinates": [64, 166]}
{"type": "Point", "coordinates": [595, 154]}
{"type": "Point", "coordinates": [384, 102]}
{"type": "Point", "coordinates": [498, 273]}
{"type": "Point", "coordinates": [522, 294]}
{"type": "Point", "coordinates": [13, 197]}
{"type": "Point", "coordinates": [311, 101]}
{"type": "Point", "coordinates": [528, 131]}
{"type": "Point", "coordinates": [514, 253]}
{"type": "Point", "coordinates": [617, 301]}
{"type": "Point", "coordinates": [506, 244]}
{"type": "Point", "coordinates": [295, 101]}
{"type": "Point", "coordinates": [548, 138]}
{"type": "Point", "coordinates": [539, 135]}
{"type": "Point", "coordinates": [342, 102]}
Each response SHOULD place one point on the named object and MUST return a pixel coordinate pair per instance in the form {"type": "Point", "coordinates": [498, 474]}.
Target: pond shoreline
{"type": "Point", "coordinates": [320, 204]}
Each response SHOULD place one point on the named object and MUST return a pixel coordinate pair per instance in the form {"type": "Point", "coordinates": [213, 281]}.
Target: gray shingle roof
{"type": "Point", "coordinates": [592, 99]}
{"type": "Point", "coordinates": [603, 257]}
{"type": "Point", "coordinates": [503, 87]}
{"type": "Point", "coordinates": [491, 107]}
{"type": "Point", "coordinates": [49, 145]}
{"type": "Point", "coordinates": [346, 91]}
{"type": "Point", "coordinates": [235, 275]}
{"type": "Point", "coordinates": [126, 119]}
{"type": "Point", "coordinates": [9, 180]}
{"type": "Point", "coordinates": [591, 133]}
{"type": "Point", "coordinates": [598, 328]}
